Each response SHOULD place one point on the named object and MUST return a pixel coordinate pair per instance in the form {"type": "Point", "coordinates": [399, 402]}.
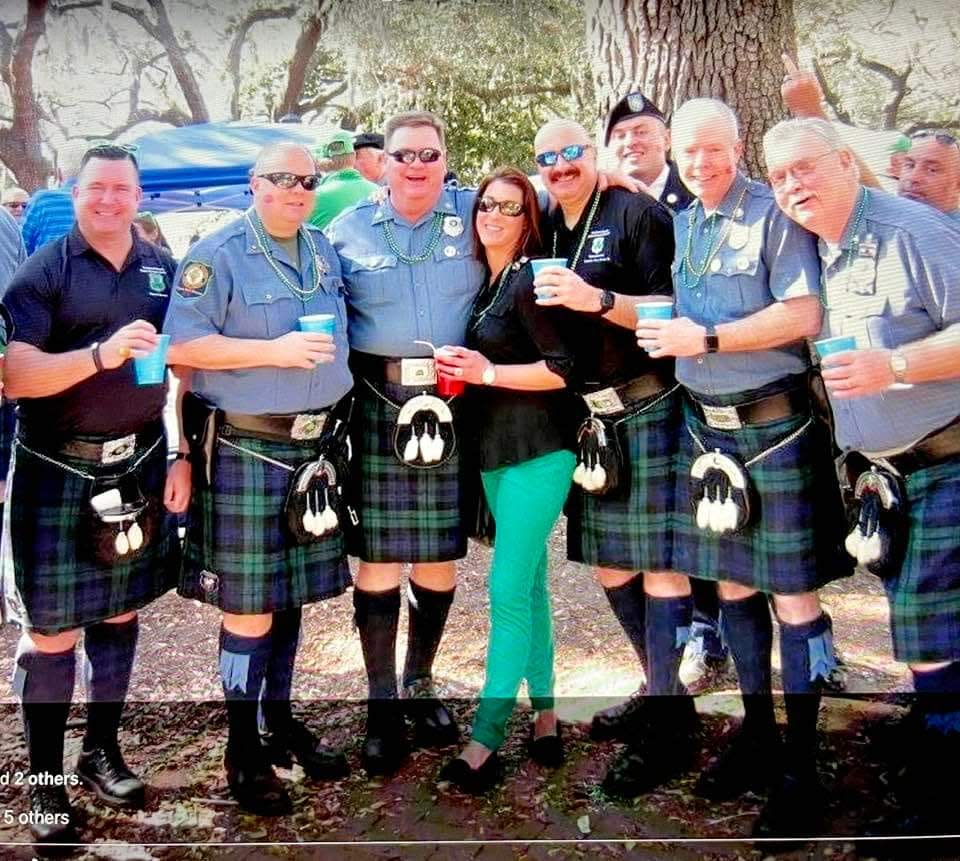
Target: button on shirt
{"type": "Point", "coordinates": [66, 297]}
{"type": "Point", "coordinates": [761, 257]}
{"type": "Point", "coordinates": [391, 304]}
{"type": "Point", "coordinates": [893, 280]}
{"type": "Point", "coordinates": [244, 297]}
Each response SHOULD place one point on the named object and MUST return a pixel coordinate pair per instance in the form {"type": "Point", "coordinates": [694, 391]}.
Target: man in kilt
{"type": "Point", "coordinates": [618, 245]}
{"type": "Point", "coordinates": [88, 434]}
{"type": "Point", "coordinates": [265, 400]}
{"type": "Point", "coordinates": [411, 278]}
{"type": "Point", "coordinates": [761, 513]}
{"type": "Point", "coordinates": [891, 274]}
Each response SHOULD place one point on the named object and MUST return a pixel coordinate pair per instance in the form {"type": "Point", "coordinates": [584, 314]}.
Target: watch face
{"type": "Point", "coordinates": [607, 300]}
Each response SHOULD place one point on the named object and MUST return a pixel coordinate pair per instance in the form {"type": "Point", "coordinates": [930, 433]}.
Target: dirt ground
{"type": "Point", "coordinates": [174, 734]}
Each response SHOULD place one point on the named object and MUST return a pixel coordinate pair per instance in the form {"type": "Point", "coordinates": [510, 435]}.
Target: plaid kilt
{"type": "Point", "coordinates": [794, 540]}
{"type": "Point", "coordinates": [237, 555]}
{"type": "Point", "coordinates": [51, 582]}
{"type": "Point", "coordinates": [406, 514]}
{"type": "Point", "coordinates": [631, 528]}
{"type": "Point", "coordinates": [925, 595]}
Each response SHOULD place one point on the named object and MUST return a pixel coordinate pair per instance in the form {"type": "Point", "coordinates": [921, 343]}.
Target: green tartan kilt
{"type": "Point", "coordinates": [925, 595]}
{"type": "Point", "coordinates": [51, 582]}
{"type": "Point", "coordinates": [794, 540]}
{"type": "Point", "coordinates": [632, 528]}
{"type": "Point", "coordinates": [238, 556]}
{"type": "Point", "coordinates": [406, 514]}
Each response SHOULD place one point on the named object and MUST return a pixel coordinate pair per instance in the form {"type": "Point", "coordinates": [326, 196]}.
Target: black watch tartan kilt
{"type": "Point", "coordinates": [406, 514]}
{"type": "Point", "coordinates": [51, 582]}
{"type": "Point", "coordinates": [238, 555]}
{"type": "Point", "coordinates": [925, 595]}
{"type": "Point", "coordinates": [793, 542]}
{"type": "Point", "coordinates": [632, 527]}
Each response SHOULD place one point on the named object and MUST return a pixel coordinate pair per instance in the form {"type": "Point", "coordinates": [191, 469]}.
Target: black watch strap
{"type": "Point", "coordinates": [712, 340]}
{"type": "Point", "coordinates": [607, 301]}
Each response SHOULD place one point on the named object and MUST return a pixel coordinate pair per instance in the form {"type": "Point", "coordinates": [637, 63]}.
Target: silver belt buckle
{"type": "Point", "coordinates": [606, 402]}
{"type": "Point", "coordinates": [418, 372]}
{"type": "Point", "coordinates": [117, 450]}
{"type": "Point", "coordinates": [721, 418]}
{"type": "Point", "coordinates": [308, 426]}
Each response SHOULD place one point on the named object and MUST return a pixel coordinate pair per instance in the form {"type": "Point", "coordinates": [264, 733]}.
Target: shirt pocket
{"type": "Point", "coordinates": [371, 278]}
{"type": "Point", "coordinates": [864, 310]}
{"type": "Point", "coordinates": [741, 279]}
{"type": "Point", "coordinates": [456, 271]}
{"type": "Point", "coordinates": [269, 309]}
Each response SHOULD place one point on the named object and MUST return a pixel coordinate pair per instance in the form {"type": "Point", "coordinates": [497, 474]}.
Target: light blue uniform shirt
{"type": "Point", "coordinates": [391, 303]}
{"type": "Point", "coordinates": [12, 251]}
{"type": "Point", "coordinates": [955, 215]}
{"type": "Point", "coordinates": [244, 298]}
{"type": "Point", "coordinates": [892, 281]}
{"type": "Point", "coordinates": [763, 258]}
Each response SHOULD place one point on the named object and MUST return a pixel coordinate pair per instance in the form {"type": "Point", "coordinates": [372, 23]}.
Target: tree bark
{"type": "Point", "coordinates": [306, 47]}
{"type": "Point", "coordinates": [674, 50]}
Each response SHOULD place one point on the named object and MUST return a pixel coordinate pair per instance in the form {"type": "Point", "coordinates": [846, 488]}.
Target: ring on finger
{"type": "Point", "coordinates": [124, 352]}
{"type": "Point", "coordinates": [458, 372]}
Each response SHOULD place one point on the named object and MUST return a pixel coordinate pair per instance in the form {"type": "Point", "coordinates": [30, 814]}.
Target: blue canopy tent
{"type": "Point", "coordinates": [207, 166]}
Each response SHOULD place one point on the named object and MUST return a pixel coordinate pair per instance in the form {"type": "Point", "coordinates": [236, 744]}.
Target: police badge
{"type": "Point", "coordinates": [453, 225]}
{"type": "Point", "coordinates": [194, 280]}
{"type": "Point", "coordinates": [636, 102]}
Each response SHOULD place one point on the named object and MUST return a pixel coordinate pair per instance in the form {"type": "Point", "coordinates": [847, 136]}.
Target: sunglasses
{"type": "Point", "coordinates": [944, 138]}
{"type": "Point", "coordinates": [507, 207]}
{"type": "Point", "coordinates": [289, 180]}
{"type": "Point", "coordinates": [574, 152]}
{"type": "Point", "coordinates": [103, 145]}
{"type": "Point", "coordinates": [409, 156]}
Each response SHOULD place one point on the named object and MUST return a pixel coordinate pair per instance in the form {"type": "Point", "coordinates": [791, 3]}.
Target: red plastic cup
{"type": "Point", "coordinates": [447, 387]}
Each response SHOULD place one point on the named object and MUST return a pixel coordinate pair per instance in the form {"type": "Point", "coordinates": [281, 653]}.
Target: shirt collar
{"type": "Point", "coordinates": [660, 183]}
{"type": "Point", "coordinates": [731, 199]}
{"type": "Point", "coordinates": [77, 245]}
{"type": "Point", "coordinates": [445, 205]}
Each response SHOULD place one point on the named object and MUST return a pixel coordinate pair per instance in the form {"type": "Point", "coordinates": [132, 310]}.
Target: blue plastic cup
{"type": "Point", "coordinates": [829, 346]}
{"type": "Point", "coordinates": [322, 323]}
{"type": "Point", "coordinates": [151, 369]}
{"type": "Point", "coordinates": [659, 310]}
{"type": "Point", "coordinates": [537, 265]}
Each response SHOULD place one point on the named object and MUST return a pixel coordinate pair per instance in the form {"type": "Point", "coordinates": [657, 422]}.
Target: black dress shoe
{"type": "Point", "coordinates": [547, 750]}
{"type": "Point", "coordinates": [794, 809]}
{"type": "Point", "coordinates": [621, 721]}
{"type": "Point", "coordinates": [295, 743]}
{"type": "Point", "coordinates": [52, 821]}
{"type": "Point", "coordinates": [104, 771]}
{"type": "Point", "coordinates": [434, 726]}
{"type": "Point", "coordinates": [385, 746]}
{"type": "Point", "coordinates": [749, 762]}
{"type": "Point", "coordinates": [254, 784]}
{"type": "Point", "coordinates": [473, 781]}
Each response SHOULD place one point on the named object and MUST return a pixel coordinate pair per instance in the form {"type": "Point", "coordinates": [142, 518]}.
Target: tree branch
{"type": "Point", "coordinates": [899, 88]}
{"type": "Point", "coordinates": [303, 51]}
{"type": "Point", "coordinates": [830, 96]}
{"type": "Point", "coordinates": [322, 99]}
{"type": "Point", "coordinates": [235, 53]}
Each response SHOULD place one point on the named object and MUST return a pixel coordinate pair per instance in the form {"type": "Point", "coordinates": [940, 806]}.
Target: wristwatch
{"type": "Point", "coordinates": [898, 364]}
{"type": "Point", "coordinates": [607, 301]}
{"type": "Point", "coordinates": [95, 352]}
{"type": "Point", "coordinates": [489, 375]}
{"type": "Point", "coordinates": [712, 340]}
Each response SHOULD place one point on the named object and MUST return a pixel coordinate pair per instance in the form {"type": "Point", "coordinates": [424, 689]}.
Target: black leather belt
{"type": "Point", "coordinates": [105, 451]}
{"type": "Point", "coordinates": [935, 448]}
{"type": "Point", "coordinates": [303, 427]}
{"type": "Point", "coordinates": [772, 408]}
{"type": "Point", "coordinates": [617, 399]}
{"type": "Point", "coordinates": [413, 371]}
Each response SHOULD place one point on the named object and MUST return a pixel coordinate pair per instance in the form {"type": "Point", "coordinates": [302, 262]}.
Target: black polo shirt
{"type": "Point", "coordinates": [628, 249]}
{"type": "Point", "coordinates": [67, 296]}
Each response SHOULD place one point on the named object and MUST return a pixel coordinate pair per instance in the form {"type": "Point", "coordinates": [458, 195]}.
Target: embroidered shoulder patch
{"type": "Point", "coordinates": [194, 280]}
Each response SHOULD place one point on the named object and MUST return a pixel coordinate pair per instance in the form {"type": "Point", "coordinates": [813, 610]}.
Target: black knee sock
{"type": "Point", "coordinates": [938, 698]}
{"type": "Point", "coordinates": [284, 639]}
{"type": "Point", "coordinates": [243, 665]}
{"type": "Point", "coordinates": [428, 611]}
{"type": "Point", "coordinates": [668, 629]}
{"type": "Point", "coordinates": [376, 615]}
{"type": "Point", "coordinates": [629, 604]}
{"type": "Point", "coordinates": [806, 658]}
{"type": "Point", "coordinates": [44, 682]}
{"type": "Point", "coordinates": [748, 630]}
{"type": "Point", "coordinates": [109, 650]}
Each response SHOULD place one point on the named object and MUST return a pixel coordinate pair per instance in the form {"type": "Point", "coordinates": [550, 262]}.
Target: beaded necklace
{"type": "Point", "coordinates": [432, 242]}
{"type": "Point", "coordinates": [512, 267]}
{"type": "Point", "coordinates": [296, 289]}
{"type": "Point", "coordinates": [594, 205]}
{"type": "Point", "coordinates": [687, 266]}
{"type": "Point", "coordinates": [848, 254]}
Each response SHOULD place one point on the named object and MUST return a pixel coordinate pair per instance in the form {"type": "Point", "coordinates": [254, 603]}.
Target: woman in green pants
{"type": "Point", "coordinates": [517, 361]}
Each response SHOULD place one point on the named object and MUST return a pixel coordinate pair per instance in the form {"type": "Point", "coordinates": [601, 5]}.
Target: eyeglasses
{"type": "Point", "coordinates": [940, 137]}
{"type": "Point", "coordinates": [800, 170]}
{"type": "Point", "coordinates": [507, 207]}
{"type": "Point", "coordinates": [409, 156]}
{"type": "Point", "coordinates": [574, 152]}
{"type": "Point", "coordinates": [289, 180]}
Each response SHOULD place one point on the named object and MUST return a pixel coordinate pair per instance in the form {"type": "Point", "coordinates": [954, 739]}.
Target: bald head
{"type": "Point", "coordinates": [283, 208]}
{"type": "Point", "coordinates": [283, 152]}
{"type": "Point", "coordinates": [570, 130]}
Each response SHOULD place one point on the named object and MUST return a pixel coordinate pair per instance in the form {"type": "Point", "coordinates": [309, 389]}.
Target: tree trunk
{"type": "Point", "coordinates": [674, 50]}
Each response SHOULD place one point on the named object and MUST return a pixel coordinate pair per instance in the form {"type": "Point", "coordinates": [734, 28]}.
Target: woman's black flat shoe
{"type": "Point", "coordinates": [547, 750]}
{"type": "Point", "coordinates": [474, 781]}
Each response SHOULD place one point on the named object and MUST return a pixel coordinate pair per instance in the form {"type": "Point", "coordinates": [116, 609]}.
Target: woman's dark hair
{"type": "Point", "coordinates": [530, 243]}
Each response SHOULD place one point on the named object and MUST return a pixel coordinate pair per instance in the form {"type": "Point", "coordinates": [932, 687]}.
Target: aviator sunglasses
{"type": "Point", "coordinates": [289, 180]}
{"type": "Point", "coordinates": [573, 152]}
{"type": "Point", "coordinates": [941, 137]}
{"type": "Point", "coordinates": [506, 207]}
{"type": "Point", "coordinates": [409, 156]}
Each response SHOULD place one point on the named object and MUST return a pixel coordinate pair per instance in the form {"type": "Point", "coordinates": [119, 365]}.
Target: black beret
{"type": "Point", "coordinates": [367, 139]}
{"type": "Point", "coordinates": [634, 104]}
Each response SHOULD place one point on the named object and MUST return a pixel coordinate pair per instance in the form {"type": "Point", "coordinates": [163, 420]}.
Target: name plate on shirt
{"type": "Point", "coordinates": [418, 372]}
{"type": "Point", "coordinates": [721, 418]}
{"type": "Point", "coordinates": [606, 402]}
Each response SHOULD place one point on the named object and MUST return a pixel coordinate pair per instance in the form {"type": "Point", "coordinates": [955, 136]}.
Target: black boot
{"type": "Point", "coordinates": [52, 821]}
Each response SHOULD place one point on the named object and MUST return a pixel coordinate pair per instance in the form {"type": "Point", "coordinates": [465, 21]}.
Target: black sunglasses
{"type": "Point", "coordinates": [409, 156]}
{"type": "Point", "coordinates": [102, 146]}
{"type": "Point", "coordinates": [940, 137]}
{"type": "Point", "coordinates": [507, 207]}
{"type": "Point", "coordinates": [289, 180]}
